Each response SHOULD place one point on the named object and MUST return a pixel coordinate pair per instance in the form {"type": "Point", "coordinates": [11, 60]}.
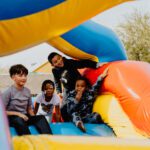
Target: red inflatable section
{"type": "Point", "coordinates": [129, 81]}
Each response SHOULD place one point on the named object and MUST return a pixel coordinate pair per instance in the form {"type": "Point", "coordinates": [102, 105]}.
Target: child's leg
{"type": "Point", "coordinates": [65, 114]}
{"type": "Point", "coordinates": [93, 118]}
{"type": "Point", "coordinates": [19, 124]}
{"type": "Point", "coordinates": [49, 118]}
{"type": "Point", "coordinates": [40, 123]}
{"type": "Point", "coordinates": [78, 121]}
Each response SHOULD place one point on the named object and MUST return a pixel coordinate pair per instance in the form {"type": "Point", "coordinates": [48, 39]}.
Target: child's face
{"type": "Point", "coordinates": [80, 86]}
{"type": "Point", "coordinates": [57, 61]}
{"type": "Point", "coordinates": [49, 90]}
{"type": "Point", "coordinates": [20, 79]}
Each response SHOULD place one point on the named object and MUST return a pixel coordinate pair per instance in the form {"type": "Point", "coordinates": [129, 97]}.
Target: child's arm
{"type": "Point", "coordinates": [57, 82]}
{"type": "Point", "coordinates": [71, 104]}
{"type": "Point", "coordinates": [36, 108]}
{"type": "Point", "coordinates": [57, 109]}
{"type": "Point", "coordinates": [14, 113]}
{"type": "Point", "coordinates": [87, 64]}
{"type": "Point", "coordinates": [99, 64]}
{"type": "Point", "coordinates": [29, 107]}
{"type": "Point", "coordinates": [30, 111]}
{"type": "Point", "coordinates": [56, 103]}
{"type": "Point", "coordinates": [83, 63]}
{"type": "Point", "coordinates": [6, 97]}
{"type": "Point", "coordinates": [38, 101]}
{"type": "Point", "coordinates": [97, 85]}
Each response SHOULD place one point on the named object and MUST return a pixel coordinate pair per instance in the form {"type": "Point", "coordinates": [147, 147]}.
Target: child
{"type": "Point", "coordinates": [65, 72]}
{"type": "Point", "coordinates": [47, 101]}
{"type": "Point", "coordinates": [80, 102]}
{"type": "Point", "coordinates": [17, 100]}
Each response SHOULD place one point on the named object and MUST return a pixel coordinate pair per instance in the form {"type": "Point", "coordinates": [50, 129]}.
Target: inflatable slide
{"type": "Point", "coordinates": [124, 97]}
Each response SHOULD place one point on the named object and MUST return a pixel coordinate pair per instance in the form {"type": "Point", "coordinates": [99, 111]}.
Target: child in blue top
{"type": "Point", "coordinates": [80, 101]}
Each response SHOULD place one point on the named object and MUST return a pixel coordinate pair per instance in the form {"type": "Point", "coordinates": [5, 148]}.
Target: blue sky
{"type": "Point", "coordinates": [33, 57]}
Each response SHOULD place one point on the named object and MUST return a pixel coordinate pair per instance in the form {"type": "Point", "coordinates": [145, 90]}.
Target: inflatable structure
{"type": "Point", "coordinates": [44, 21]}
{"type": "Point", "coordinates": [124, 97]}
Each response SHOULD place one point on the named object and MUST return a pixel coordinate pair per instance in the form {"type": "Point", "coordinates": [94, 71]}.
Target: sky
{"type": "Point", "coordinates": [35, 56]}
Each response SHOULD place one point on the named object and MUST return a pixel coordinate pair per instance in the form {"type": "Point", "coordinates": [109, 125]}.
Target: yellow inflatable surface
{"type": "Point", "coordinates": [48, 25]}
{"type": "Point", "coordinates": [26, 31]}
{"type": "Point", "coordinates": [77, 143]}
{"type": "Point", "coordinates": [112, 114]}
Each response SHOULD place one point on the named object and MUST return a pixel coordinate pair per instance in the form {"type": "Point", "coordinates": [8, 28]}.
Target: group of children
{"type": "Point", "coordinates": [77, 96]}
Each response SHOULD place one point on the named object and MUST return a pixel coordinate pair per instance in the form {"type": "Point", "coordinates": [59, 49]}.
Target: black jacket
{"type": "Point", "coordinates": [71, 75]}
{"type": "Point", "coordinates": [82, 109]}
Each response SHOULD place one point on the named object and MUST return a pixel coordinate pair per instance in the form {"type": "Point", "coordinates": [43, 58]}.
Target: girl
{"type": "Point", "coordinates": [47, 101]}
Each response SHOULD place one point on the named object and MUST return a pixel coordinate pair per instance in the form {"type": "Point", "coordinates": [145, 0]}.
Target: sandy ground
{"type": "Point", "coordinates": [34, 82]}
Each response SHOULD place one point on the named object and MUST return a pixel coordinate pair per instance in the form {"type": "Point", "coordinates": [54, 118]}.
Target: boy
{"type": "Point", "coordinates": [80, 102]}
{"type": "Point", "coordinates": [18, 104]}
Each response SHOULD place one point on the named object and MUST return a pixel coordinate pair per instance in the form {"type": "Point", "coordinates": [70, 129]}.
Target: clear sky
{"type": "Point", "coordinates": [115, 15]}
{"type": "Point", "coordinates": [37, 55]}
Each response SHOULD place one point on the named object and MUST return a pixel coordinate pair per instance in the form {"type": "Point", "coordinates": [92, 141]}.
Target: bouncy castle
{"type": "Point", "coordinates": [124, 100]}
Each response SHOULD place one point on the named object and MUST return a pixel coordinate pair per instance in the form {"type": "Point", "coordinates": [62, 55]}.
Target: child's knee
{"type": "Point", "coordinates": [40, 117]}
{"type": "Point", "coordinates": [98, 118]}
{"type": "Point", "coordinates": [20, 121]}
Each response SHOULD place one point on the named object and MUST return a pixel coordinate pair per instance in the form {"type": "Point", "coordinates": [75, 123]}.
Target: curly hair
{"type": "Point", "coordinates": [47, 82]}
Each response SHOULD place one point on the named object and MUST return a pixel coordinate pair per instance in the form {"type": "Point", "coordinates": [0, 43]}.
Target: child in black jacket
{"type": "Point", "coordinates": [79, 102]}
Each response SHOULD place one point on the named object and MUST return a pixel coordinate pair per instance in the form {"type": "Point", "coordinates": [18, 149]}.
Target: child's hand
{"type": "Point", "coordinates": [24, 117]}
{"type": "Point", "coordinates": [100, 64]}
{"type": "Point", "coordinates": [104, 74]}
{"type": "Point", "coordinates": [81, 126]}
{"type": "Point", "coordinates": [78, 95]}
{"type": "Point", "coordinates": [60, 95]}
{"type": "Point", "coordinates": [63, 80]}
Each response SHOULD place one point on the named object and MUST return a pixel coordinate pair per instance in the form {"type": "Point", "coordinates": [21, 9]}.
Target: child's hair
{"type": "Point", "coordinates": [51, 56]}
{"type": "Point", "coordinates": [18, 69]}
{"type": "Point", "coordinates": [47, 82]}
{"type": "Point", "coordinates": [85, 80]}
